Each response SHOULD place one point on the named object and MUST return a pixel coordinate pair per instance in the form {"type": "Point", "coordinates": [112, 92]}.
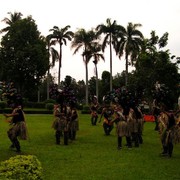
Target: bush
{"type": "Point", "coordinates": [2, 104]}
{"type": "Point", "coordinates": [21, 167]}
{"type": "Point", "coordinates": [50, 101]}
{"type": "Point", "coordinates": [86, 110]}
{"type": "Point", "coordinates": [79, 106]}
{"type": "Point", "coordinates": [34, 104]}
{"type": "Point", "coordinates": [49, 106]}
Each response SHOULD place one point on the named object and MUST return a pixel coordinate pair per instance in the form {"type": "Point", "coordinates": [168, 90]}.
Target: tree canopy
{"type": "Point", "coordinates": [23, 55]}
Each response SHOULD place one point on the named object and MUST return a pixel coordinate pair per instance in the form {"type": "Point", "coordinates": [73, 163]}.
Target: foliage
{"type": "Point", "coordinates": [49, 106]}
{"type": "Point", "coordinates": [26, 55]}
{"type": "Point", "coordinates": [23, 54]}
{"type": "Point", "coordinates": [60, 36]}
{"type": "Point", "coordinates": [30, 104]}
{"type": "Point", "coordinates": [9, 93]}
{"type": "Point", "coordinates": [3, 104]}
{"type": "Point", "coordinates": [44, 87]}
{"type": "Point", "coordinates": [83, 40]}
{"type": "Point", "coordinates": [50, 101]}
{"type": "Point", "coordinates": [21, 167]}
{"type": "Point", "coordinates": [153, 68]}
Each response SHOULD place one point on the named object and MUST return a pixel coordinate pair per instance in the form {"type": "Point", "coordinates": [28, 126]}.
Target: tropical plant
{"type": "Point", "coordinates": [24, 56]}
{"type": "Point", "coordinates": [96, 55]}
{"type": "Point", "coordinates": [60, 36]}
{"type": "Point", "coordinates": [10, 21]}
{"type": "Point", "coordinates": [110, 30]}
{"type": "Point", "coordinates": [82, 40]}
{"type": "Point", "coordinates": [54, 56]}
{"type": "Point", "coordinates": [21, 167]}
{"type": "Point", "coordinates": [129, 43]}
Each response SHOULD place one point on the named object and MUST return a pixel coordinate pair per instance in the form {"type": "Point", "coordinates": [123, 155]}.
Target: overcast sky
{"type": "Point", "coordinates": [159, 15]}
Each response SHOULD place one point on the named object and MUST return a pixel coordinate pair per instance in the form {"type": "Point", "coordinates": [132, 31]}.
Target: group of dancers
{"type": "Point", "coordinates": [167, 124]}
{"type": "Point", "coordinates": [65, 123]}
{"type": "Point", "coordinates": [121, 112]}
{"type": "Point", "coordinates": [128, 121]}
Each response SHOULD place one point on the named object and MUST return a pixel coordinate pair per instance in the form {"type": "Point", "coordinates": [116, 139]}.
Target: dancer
{"type": "Point", "coordinates": [94, 108]}
{"type": "Point", "coordinates": [18, 127]}
{"type": "Point", "coordinates": [73, 124]}
{"type": "Point", "coordinates": [57, 123]}
{"type": "Point", "coordinates": [122, 129]}
{"type": "Point", "coordinates": [107, 112]}
{"type": "Point", "coordinates": [169, 132]}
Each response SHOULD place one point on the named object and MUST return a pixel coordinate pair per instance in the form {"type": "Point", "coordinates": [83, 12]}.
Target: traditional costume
{"type": "Point", "coordinates": [122, 129]}
{"type": "Point", "coordinates": [169, 131]}
{"type": "Point", "coordinates": [94, 111]}
{"type": "Point", "coordinates": [73, 124]}
{"type": "Point", "coordinates": [18, 127]}
{"type": "Point", "coordinates": [58, 123]}
{"type": "Point", "coordinates": [107, 112]}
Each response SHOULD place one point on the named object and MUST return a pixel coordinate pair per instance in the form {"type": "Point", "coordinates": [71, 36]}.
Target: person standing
{"type": "Point", "coordinates": [122, 130]}
{"type": "Point", "coordinates": [74, 124]}
{"type": "Point", "coordinates": [156, 112]}
{"type": "Point", "coordinates": [133, 125]}
{"type": "Point", "coordinates": [168, 132]}
{"type": "Point", "coordinates": [94, 111]}
{"type": "Point", "coordinates": [107, 112]}
{"type": "Point", "coordinates": [57, 123]}
{"type": "Point", "coordinates": [18, 127]}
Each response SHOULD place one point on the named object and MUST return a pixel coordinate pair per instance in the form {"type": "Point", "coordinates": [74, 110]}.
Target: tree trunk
{"type": "Point", "coordinates": [38, 95]}
{"type": "Point", "coordinates": [97, 89]}
{"type": "Point", "coordinates": [60, 64]}
{"type": "Point", "coordinates": [86, 82]}
{"type": "Point", "coordinates": [126, 73]}
{"type": "Point", "coordinates": [110, 65]}
{"type": "Point", "coordinates": [48, 85]}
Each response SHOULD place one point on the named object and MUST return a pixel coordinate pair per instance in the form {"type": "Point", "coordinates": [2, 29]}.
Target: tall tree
{"type": "Point", "coordinates": [60, 36]}
{"type": "Point", "coordinates": [82, 40]}
{"type": "Point", "coordinates": [96, 55]}
{"type": "Point", "coordinates": [10, 21]}
{"type": "Point", "coordinates": [24, 55]}
{"type": "Point", "coordinates": [130, 43]}
{"type": "Point", "coordinates": [53, 57]}
{"type": "Point", "coordinates": [110, 30]}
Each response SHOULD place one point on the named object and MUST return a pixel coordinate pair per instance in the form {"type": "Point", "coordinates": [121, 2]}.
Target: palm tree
{"type": "Point", "coordinates": [150, 46]}
{"type": "Point", "coordinates": [110, 30]}
{"type": "Point", "coordinates": [13, 18]}
{"type": "Point", "coordinates": [53, 54]}
{"type": "Point", "coordinates": [130, 43]}
{"type": "Point", "coordinates": [156, 41]}
{"type": "Point", "coordinates": [82, 40]}
{"type": "Point", "coordinates": [59, 36]}
{"type": "Point", "coordinates": [94, 52]}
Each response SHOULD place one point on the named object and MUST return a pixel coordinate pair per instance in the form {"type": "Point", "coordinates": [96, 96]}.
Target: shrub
{"type": "Point", "coordinates": [49, 106]}
{"type": "Point", "coordinates": [50, 101]}
{"type": "Point", "coordinates": [2, 104]}
{"type": "Point", "coordinates": [34, 104]}
{"type": "Point", "coordinates": [86, 110]}
{"type": "Point", "coordinates": [21, 167]}
{"type": "Point", "coordinates": [79, 106]}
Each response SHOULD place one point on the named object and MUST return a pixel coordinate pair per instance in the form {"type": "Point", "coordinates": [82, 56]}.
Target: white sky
{"type": "Point", "coordinates": [159, 15]}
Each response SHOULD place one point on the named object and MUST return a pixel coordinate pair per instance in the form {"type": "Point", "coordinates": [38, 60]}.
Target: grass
{"type": "Point", "coordinates": [93, 156]}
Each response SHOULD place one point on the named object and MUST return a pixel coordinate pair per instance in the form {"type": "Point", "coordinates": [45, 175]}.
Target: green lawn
{"type": "Point", "coordinates": [92, 156]}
